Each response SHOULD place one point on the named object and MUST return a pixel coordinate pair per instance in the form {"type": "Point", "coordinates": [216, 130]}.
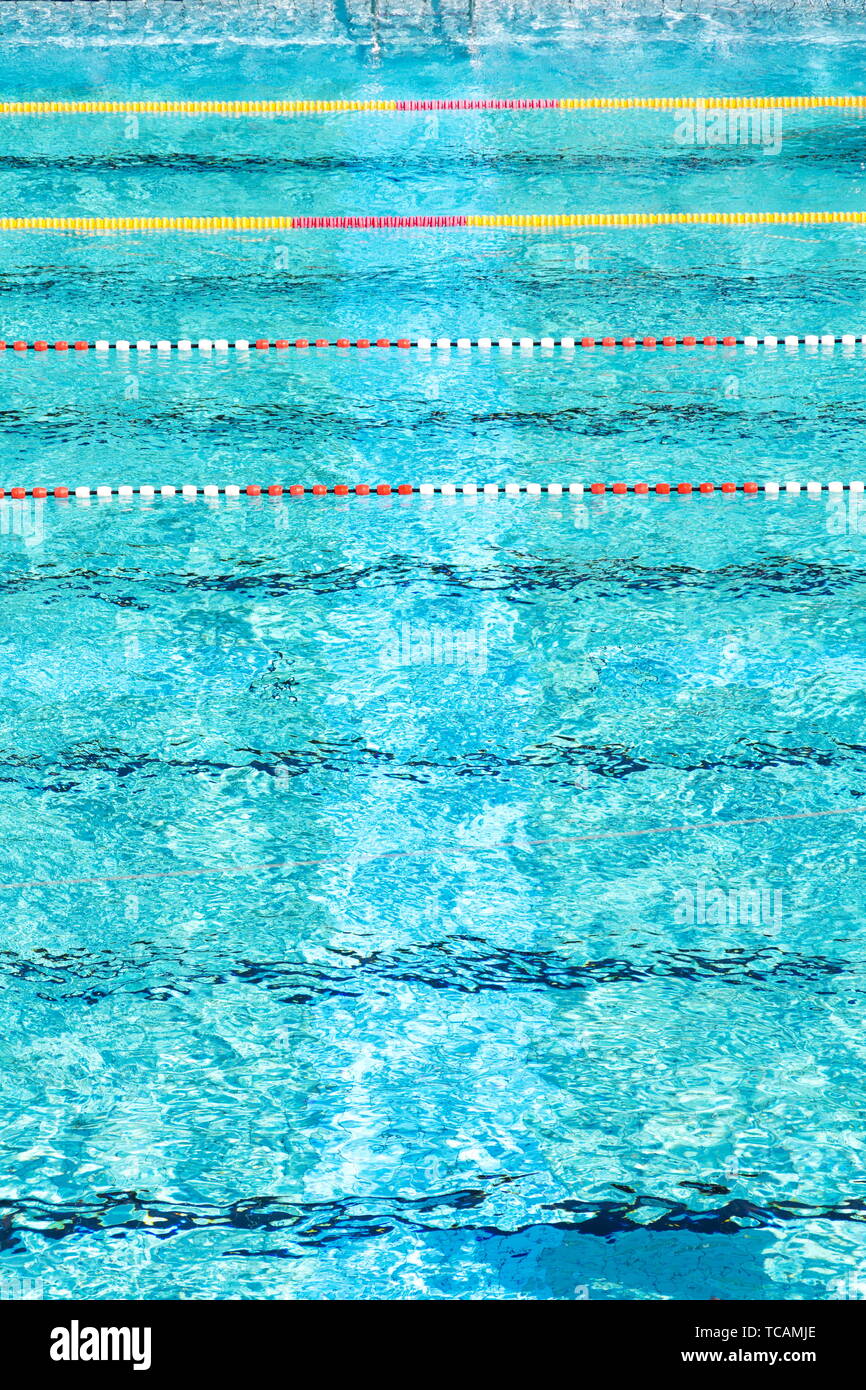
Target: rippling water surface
{"type": "Point", "coordinates": [431, 898]}
{"type": "Point", "coordinates": [331, 967]}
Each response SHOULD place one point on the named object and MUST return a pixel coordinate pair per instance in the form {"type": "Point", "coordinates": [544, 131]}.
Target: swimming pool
{"type": "Point", "coordinates": [422, 896]}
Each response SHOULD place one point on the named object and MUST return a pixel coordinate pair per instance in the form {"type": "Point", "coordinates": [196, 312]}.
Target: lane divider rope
{"type": "Point", "coordinates": [525, 344]}
{"type": "Point", "coordinates": [305, 107]}
{"type": "Point", "coordinates": [278, 490]}
{"type": "Point", "coordinates": [448, 221]}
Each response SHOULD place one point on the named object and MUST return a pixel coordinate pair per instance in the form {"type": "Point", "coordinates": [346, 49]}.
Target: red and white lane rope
{"type": "Point", "coordinates": [213, 491]}
{"type": "Point", "coordinates": [524, 344]}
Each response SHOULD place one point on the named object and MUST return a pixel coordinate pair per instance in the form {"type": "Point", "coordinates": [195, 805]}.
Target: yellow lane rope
{"type": "Point", "coordinates": [518, 221]}
{"type": "Point", "coordinates": [289, 107]}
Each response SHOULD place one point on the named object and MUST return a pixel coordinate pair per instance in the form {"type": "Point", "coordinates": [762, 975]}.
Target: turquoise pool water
{"type": "Point", "coordinates": [335, 416]}
{"type": "Point", "coordinates": [455, 1046]}
{"type": "Point", "coordinates": [414, 897]}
